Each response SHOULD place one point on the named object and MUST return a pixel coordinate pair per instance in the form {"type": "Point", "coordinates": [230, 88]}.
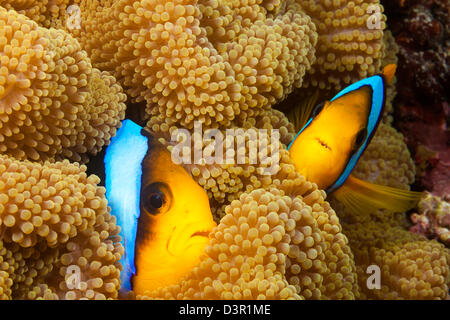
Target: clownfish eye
{"type": "Point", "coordinates": [360, 137]}
{"type": "Point", "coordinates": [156, 198]}
{"type": "Point", "coordinates": [318, 109]}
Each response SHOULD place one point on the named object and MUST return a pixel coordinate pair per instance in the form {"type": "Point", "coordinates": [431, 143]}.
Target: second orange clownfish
{"type": "Point", "coordinates": [333, 138]}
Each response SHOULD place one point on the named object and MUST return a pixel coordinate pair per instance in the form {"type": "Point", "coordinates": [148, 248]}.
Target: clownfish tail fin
{"type": "Point", "coordinates": [389, 72]}
{"type": "Point", "coordinates": [364, 197]}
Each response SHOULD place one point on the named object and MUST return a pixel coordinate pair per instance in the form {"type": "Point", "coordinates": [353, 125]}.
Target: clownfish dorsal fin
{"type": "Point", "coordinates": [389, 72]}
{"type": "Point", "coordinates": [300, 114]}
{"type": "Point", "coordinates": [360, 196]}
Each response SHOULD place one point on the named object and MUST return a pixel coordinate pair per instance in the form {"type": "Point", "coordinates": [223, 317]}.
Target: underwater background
{"type": "Point", "coordinates": [72, 70]}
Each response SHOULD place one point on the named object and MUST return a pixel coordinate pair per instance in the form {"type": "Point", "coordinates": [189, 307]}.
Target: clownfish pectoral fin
{"type": "Point", "coordinates": [361, 196]}
{"type": "Point", "coordinates": [389, 72]}
{"type": "Point", "coordinates": [301, 113]}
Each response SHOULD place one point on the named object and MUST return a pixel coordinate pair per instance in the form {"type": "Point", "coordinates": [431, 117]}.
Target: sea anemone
{"type": "Point", "coordinates": [224, 64]}
{"type": "Point", "coordinates": [411, 266]}
{"type": "Point", "coordinates": [53, 216]}
{"type": "Point", "coordinates": [54, 104]}
{"type": "Point", "coordinates": [208, 61]}
{"type": "Point", "coordinates": [350, 46]}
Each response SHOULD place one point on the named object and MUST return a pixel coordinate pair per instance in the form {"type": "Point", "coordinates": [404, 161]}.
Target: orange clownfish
{"type": "Point", "coordinates": [164, 215]}
{"type": "Point", "coordinates": [333, 138]}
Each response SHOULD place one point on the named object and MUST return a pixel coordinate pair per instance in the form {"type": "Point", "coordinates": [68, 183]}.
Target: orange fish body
{"type": "Point", "coordinates": [174, 224]}
{"type": "Point", "coordinates": [164, 215]}
{"type": "Point", "coordinates": [329, 145]}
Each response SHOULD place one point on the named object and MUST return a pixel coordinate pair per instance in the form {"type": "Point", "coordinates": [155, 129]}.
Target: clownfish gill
{"type": "Point", "coordinates": [164, 215]}
{"type": "Point", "coordinates": [332, 139]}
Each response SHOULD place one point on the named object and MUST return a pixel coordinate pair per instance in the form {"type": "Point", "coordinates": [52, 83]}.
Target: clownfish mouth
{"type": "Point", "coordinates": [323, 144]}
{"type": "Point", "coordinates": [201, 234]}
{"type": "Point", "coordinates": [191, 235]}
